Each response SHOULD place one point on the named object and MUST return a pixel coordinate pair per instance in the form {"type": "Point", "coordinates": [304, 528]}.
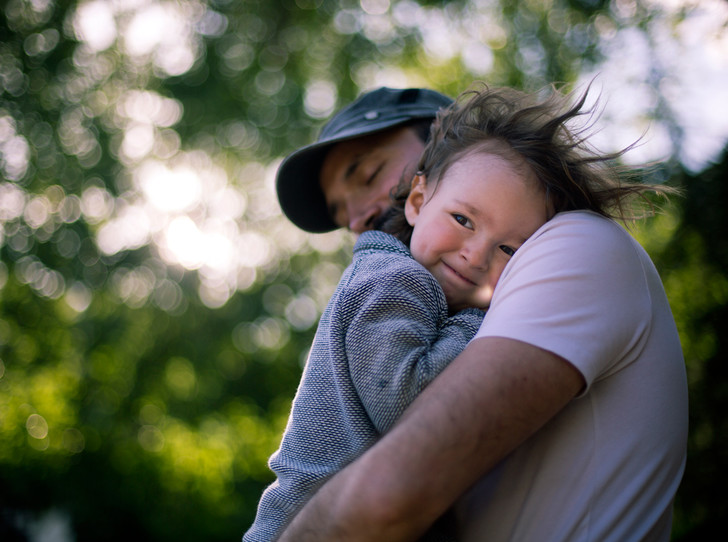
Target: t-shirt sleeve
{"type": "Point", "coordinates": [576, 289]}
{"type": "Point", "coordinates": [399, 340]}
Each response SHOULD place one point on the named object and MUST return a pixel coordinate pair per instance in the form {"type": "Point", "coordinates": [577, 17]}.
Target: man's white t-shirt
{"type": "Point", "coordinates": [608, 466]}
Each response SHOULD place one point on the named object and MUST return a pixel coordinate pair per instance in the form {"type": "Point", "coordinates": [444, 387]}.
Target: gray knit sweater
{"type": "Point", "coordinates": [383, 337]}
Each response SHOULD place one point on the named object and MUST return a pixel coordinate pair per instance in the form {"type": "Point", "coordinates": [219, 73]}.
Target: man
{"type": "Point", "coordinates": [344, 179]}
{"type": "Point", "coordinates": [565, 419]}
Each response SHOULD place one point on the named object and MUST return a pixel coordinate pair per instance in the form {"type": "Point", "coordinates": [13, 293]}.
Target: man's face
{"type": "Point", "coordinates": [357, 176]}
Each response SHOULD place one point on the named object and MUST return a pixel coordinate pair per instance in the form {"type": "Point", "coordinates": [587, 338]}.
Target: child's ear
{"type": "Point", "coordinates": [415, 200]}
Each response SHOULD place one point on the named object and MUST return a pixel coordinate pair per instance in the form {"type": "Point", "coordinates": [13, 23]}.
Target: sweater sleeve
{"type": "Point", "coordinates": [400, 338]}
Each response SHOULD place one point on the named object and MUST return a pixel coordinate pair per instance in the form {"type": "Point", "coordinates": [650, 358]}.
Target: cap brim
{"type": "Point", "coordinates": [297, 182]}
{"type": "Point", "coordinates": [299, 192]}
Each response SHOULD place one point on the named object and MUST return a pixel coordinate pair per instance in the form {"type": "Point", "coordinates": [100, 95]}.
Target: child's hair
{"type": "Point", "coordinates": [523, 129]}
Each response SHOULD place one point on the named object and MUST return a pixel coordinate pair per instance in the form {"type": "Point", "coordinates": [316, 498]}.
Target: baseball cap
{"type": "Point", "coordinates": [297, 181]}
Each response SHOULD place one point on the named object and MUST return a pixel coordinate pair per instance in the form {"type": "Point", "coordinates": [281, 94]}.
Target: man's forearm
{"type": "Point", "coordinates": [487, 402]}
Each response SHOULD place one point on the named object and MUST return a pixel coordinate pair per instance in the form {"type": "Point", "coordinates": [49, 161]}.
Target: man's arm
{"type": "Point", "coordinates": [494, 395]}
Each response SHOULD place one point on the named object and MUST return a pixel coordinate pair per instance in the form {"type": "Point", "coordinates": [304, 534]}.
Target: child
{"type": "Point", "coordinates": [498, 165]}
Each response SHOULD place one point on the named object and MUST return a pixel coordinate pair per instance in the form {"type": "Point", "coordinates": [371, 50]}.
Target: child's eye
{"type": "Point", "coordinates": [462, 220]}
{"type": "Point", "coordinates": [508, 250]}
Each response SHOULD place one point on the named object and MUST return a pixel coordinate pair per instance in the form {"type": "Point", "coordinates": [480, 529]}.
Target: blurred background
{"type": "Point", "coordinates": [155, 306]}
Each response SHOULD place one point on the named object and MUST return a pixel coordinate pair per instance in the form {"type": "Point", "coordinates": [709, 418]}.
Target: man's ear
{"type": "Point", "coordinates": [416, 199]}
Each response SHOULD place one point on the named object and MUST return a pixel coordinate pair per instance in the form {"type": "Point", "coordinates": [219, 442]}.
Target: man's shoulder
{"type": "Point", "coordinates": [580, 221]}
{"type": "Point", "coordinates": [582, 231]}
{"type": "Point", "coordinates": [580, 244]}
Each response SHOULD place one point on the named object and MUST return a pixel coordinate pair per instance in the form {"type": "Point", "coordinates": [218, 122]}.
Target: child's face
{"type": "Point", "coordinates": [467, 227]}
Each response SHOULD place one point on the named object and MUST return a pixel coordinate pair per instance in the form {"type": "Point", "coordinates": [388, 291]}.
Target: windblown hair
{"type": "Point", "coordinates": [532, 134]}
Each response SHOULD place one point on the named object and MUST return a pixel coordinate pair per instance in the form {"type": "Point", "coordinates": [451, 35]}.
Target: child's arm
{"type": "Point", "coordinates": [400, 339]}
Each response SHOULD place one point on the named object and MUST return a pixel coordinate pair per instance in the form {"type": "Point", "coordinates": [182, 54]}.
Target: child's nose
{"type": "Point", "coordinates": [477, 254]}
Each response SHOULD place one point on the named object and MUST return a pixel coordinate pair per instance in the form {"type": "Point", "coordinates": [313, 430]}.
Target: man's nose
{"type": "Point", "coordinates": [362, 219]}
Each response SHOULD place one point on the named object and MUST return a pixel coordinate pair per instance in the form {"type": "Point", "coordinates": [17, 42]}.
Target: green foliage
{"type": "Point", "coordinates": [695, 261]}
{"type": "Point", "coordinates": [156, 308]}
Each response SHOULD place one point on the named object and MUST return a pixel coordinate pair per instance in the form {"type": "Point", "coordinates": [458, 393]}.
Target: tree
{"type": "Point", "coordinates": [155, 307]}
